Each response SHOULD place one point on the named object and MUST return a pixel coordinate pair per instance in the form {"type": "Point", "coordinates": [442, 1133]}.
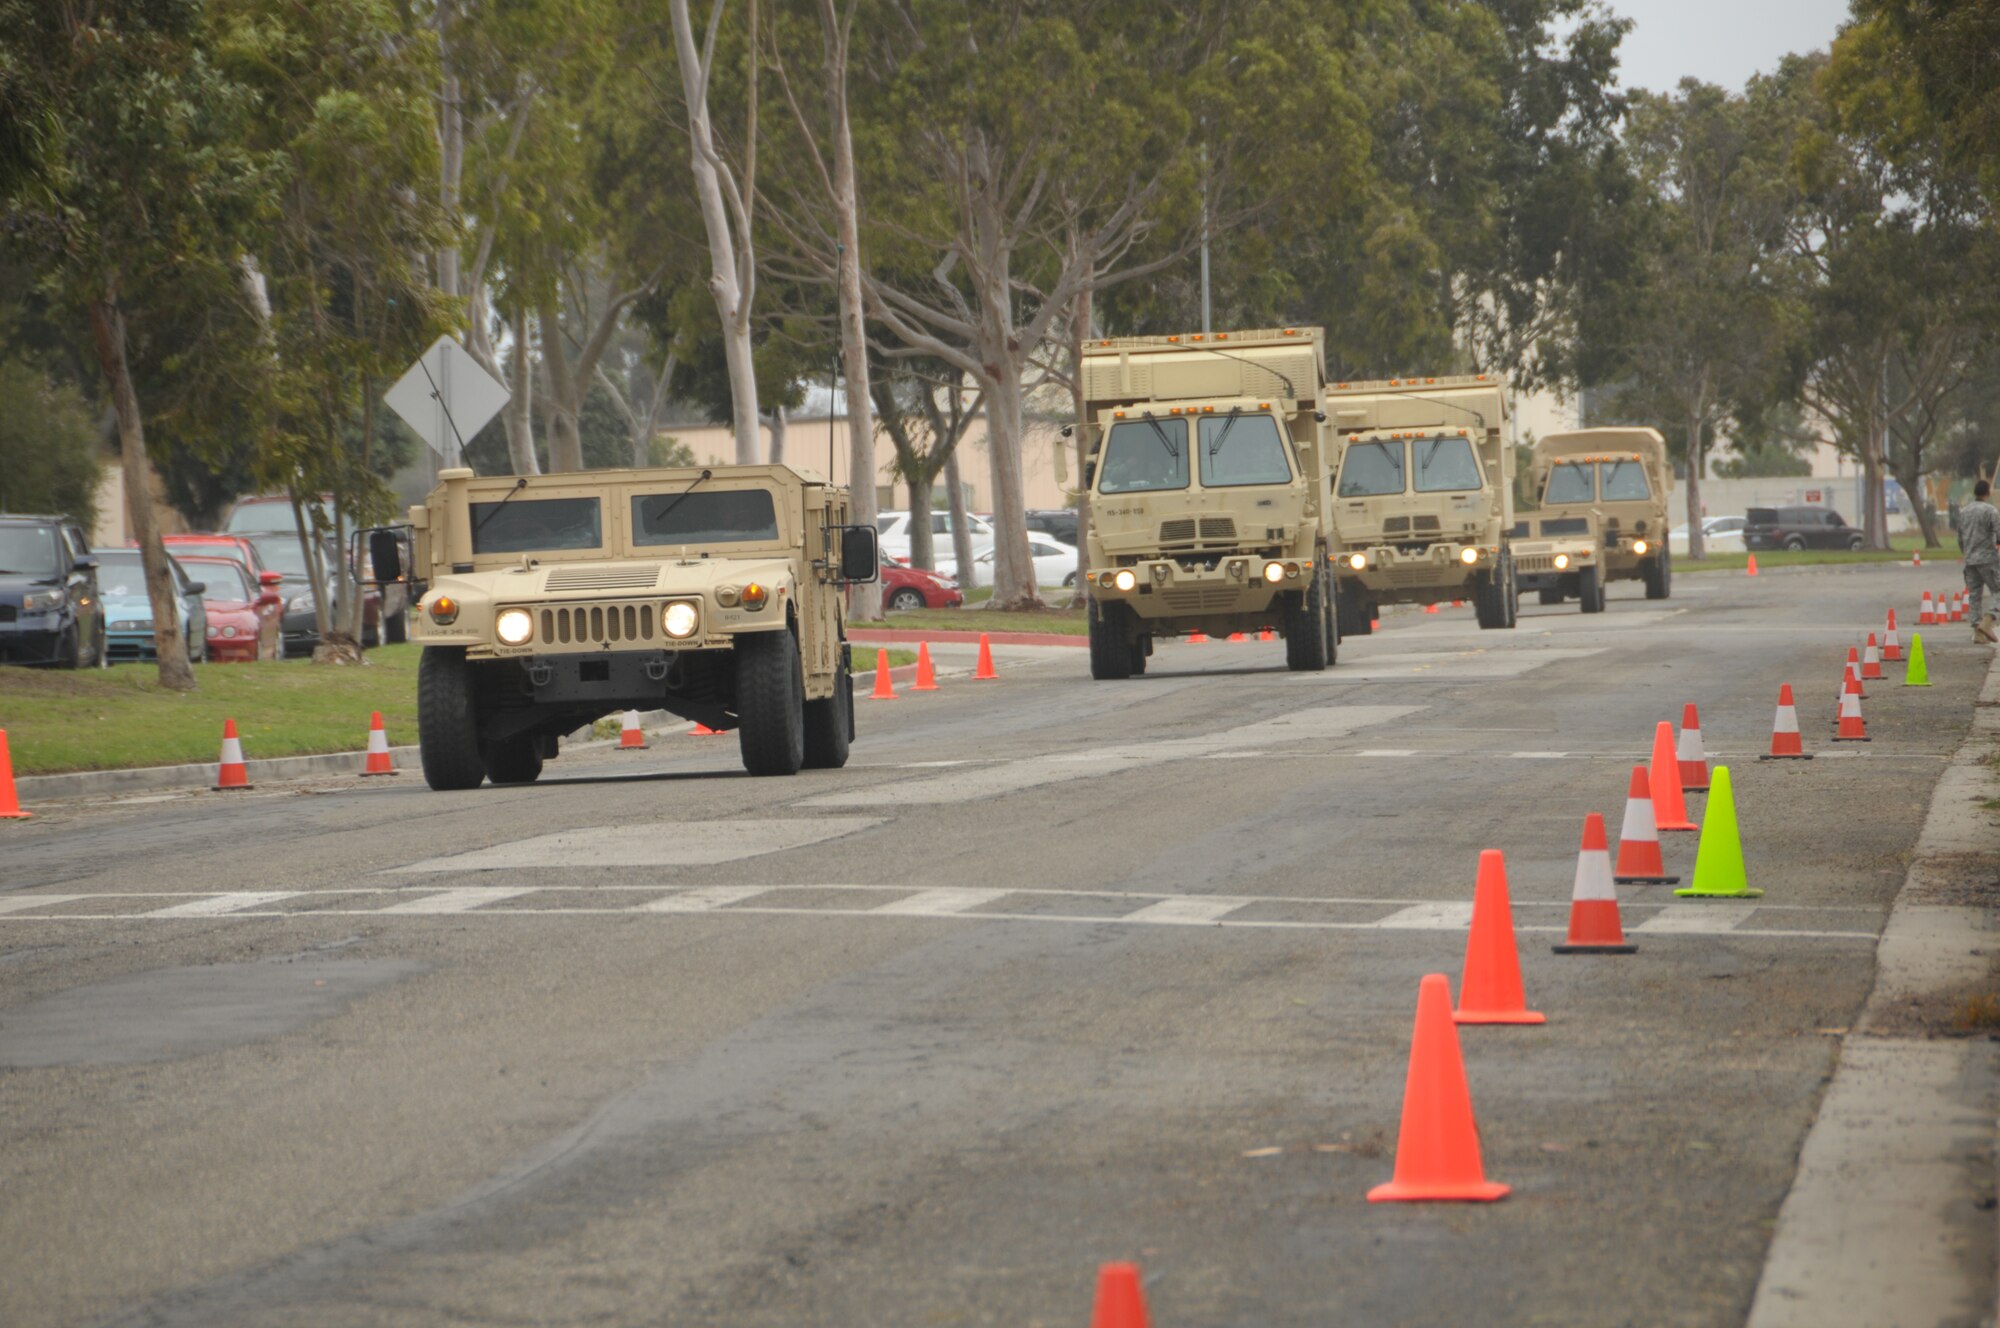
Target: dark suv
{"type": "Point", "coordinates": [1058, 523]}
{"type": "Point", "coordinates": [49, 609]}
{"type": "Point", "coordinates": [1798, 528]}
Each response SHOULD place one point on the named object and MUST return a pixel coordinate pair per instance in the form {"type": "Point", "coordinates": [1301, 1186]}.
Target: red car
{"type": "Point", "coordinates": [914, 588]}
{"type": "Point", "coordinates": [212, 545]}
{"type": "Point", "coordinates": [243, 610]}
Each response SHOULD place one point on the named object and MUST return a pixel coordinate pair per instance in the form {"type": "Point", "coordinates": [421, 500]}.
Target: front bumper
{"type": "Point", "coordinates": [130, 647]}
{"type": "Point", "coordinates": [1426, 575]}
{"type": "Point", "coordinates": [1546, 565]}
{"type": "Point", "coordinates": [1237, 584]}
{"type": "Point", "coordinates": [1624, 563]}
{"type": "Point", "coordinates": [35, 642]}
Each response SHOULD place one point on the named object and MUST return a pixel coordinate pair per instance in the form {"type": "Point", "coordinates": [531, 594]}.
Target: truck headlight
{"type": "Point", "coordinates": [1358, 561]}
{"type": "Point", "coordinates": [1562, 561]}
{"type": "Point", "coordinates": [680, 619]}
{"type": "Point", "coordinates": [514, 626]}
{"type": "Point", "coordinates": [1126, 580]}
{"type": "Point", "coordinates": [1639, 547]}
{"type": "Point", "coordinates": [44, 601]}
{"type": "Point", "coordinates": [1468, 556]}
{"type": "Point", "coordinates": [1274, 572]}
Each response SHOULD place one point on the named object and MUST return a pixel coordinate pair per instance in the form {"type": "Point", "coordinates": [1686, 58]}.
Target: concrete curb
{"type": "Point", "coordinates": [1890, 1218]}
{"type": "Point", "coordinates": [896, 636]}
{"type": "Point", "coordinates": [85, 783]}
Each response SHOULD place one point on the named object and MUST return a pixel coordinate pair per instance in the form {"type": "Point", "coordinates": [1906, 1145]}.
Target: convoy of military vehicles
{"type": "Point", "coordinates": [1231, 488]}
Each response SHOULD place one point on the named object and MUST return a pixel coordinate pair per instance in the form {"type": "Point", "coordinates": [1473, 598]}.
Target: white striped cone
{"type": "Point", "coordinates": [1850, 670]}
{"type": "Point", "coordinates": [1851, 729]}
{"type": "Point", "coordinates": [1594, 927]}
{"type": "Point", "coordinates": [1926, 615]}
{"type": "Point", "coordinates": [1690, 754]}
{"type": "Point", "coordinates": [1639, 861]}
{"type": "Point", "coordinates": [1892, 644]}
{"type": "Point", "coordinates": [1871, 661]}
{"type": "Point", "coordinates": [232, 773]}
{"type": "Point", "coordinates": [1916, 557]}
{"type": "Point", "coordinates": [378, 761]}
{"type": "Point", "coordinates": [631, 738]}
{"type": "Point", "coordinates": [1785, 742]}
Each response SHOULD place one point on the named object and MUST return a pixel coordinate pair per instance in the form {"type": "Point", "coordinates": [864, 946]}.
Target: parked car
{"type": "Point", "coordinates": [212, 544]}
{"type": "Point", "coordinates": [895, 534]}
{"type": "Point", "coordinates": [128, 609]}
{"type": "Point", "coordinates": [905, 588]}
{"type": "Point", "coordinates": [1055, 564]}
{"type": "Point", "coordinates": [244, 608]}
{"type": "Point", "coordinates": [1719, 534]}
{"type": "Point", "coordinates": [50, 611]}
{"type": "Point", "coordinates": [1798, 528]}
{"type": "Point", "coordinates": [384, 609]}
{"type": "Point", "coordinates": [1058, 523]}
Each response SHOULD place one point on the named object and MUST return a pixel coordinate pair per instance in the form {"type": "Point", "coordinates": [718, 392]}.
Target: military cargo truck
{"type": "Point", "coordinates": [1619, 482]}
{"type": "Point", "coordinates": [1423, 508]}
{"type": "Point", "coordinates": [1206, 465]}
{"type": "Point", "coordinates": [552, 600]}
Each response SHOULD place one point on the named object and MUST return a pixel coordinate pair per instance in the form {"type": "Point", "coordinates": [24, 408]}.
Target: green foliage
{"type": "Point", "coordinates": [48, 446]}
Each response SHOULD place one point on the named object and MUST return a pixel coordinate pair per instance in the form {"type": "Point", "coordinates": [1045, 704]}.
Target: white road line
{"type": "Point", "coordinates": [657, 844]}
{"type": "Point", "coordinates": [1538, 756]}
{"type": "Point", "coordinates": [940, 903]}
{"type": "Point", "coordinates": [1438, 915]}
{"type": "Point", "coordinates": [217, 905]}
{"type": "Point", "coordinates": [15, 903]}
{"type": "Point", "coordinates": [462, 900]}
{"type": "Point", "coordinates": [706, 899]}
{"type": "Point", "coordinates": [1692, 919]}
{"type": "Point", "coordinates": [1191, 911]}
{"type": "Point", "coordinates": [1390, 751]}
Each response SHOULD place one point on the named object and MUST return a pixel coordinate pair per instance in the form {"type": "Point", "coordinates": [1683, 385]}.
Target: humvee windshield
{"type": "Point", "coordinates": [1445, 465]}
{"type": "Point", "coordinates": [1149, 455]}
{"type": "Point", "coordinates": [1569, 482]}
{"type": "Point", "coordinates": [1371, 469]}
{"type": "Point", "coordinates": [718, 516]}
{"type": "Point", "coordinates": [1618, 482]}
{"type": "Point", "coordinates": [1242, 449]}
{"type": "Point", "coordinates": [1623, 481]}
{"type": "Point", "coordinates": [526, 525]}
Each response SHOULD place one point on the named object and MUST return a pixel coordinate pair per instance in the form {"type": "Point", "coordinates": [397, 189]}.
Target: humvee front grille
{"type": "Point", "coordinates": [1534, 562]}
{"type": "Point", "coordinates": [591, 624]}
{"type": "Point", "coordinates": [1567, 525]}
{"type": "Point", "coordinates": [622, 577]}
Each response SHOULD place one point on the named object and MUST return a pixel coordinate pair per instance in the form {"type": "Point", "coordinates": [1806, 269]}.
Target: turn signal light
{"type": "Point", "coordinates": [443, 610]}
{"type": "Point", "coordinates": [755, 596]}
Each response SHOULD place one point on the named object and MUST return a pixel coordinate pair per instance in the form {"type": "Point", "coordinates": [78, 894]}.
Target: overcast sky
{"type": "Point", "coordinates": [1718, 41]}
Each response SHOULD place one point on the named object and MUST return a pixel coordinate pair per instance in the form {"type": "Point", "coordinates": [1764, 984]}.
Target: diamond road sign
{"type": "Point", "coordinates": [447, 397]}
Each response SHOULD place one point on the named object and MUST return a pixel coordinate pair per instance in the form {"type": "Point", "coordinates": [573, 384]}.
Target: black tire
{"type": "Point", "coordinates": [1553, 595]}
{"type": "Point", "coordinates": [398, 628]}
{"type": "Point", "coordinates": [1069, 582]}
{"type": "Point", "coordinates": [516, 760]}
{"type": "Point", "coordinates": [1590, 589]}
{"type": "Point", "coordinates": [448, 720]}
{"type": "Point", "coordinates": [1854, 543]}
{"type": "Point", "coordinates": [1332, 619]}
{"type": "Point", "coordinates": [1660, 575]}
{"type": "Point", "coordinates": [1142, 650]}
{"type": "Point", "coordinates": [102, 658]}
{"type": "Point", "coordinates": [830, 723]}
{"type": "Point", "coordinates": [1795, 543]}
{"type": "Point", "coordinates": [1351, 611]}
{"type": "Point", "coordinates": [1111, 651]}
{"type": "Point", "coordinates": [770, 703]}
{"type": "Point", "coordinates": [904, 599]}
{"type": "Point", "coordinates": [1307, 630]}
{"type": "Point", "coordinates": [1496, 599]}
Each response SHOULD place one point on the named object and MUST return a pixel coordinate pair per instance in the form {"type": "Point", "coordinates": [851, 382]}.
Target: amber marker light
{"type": "Point", "coordinates": [755, 595]}
{"type": "Point", "coordinates": [443, 610]}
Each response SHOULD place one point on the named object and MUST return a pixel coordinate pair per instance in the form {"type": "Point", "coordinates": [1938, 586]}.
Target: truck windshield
{"type": "Point", "coordinates": [1371, 469]}
{"type": "Point", "coordinates": [527, 525]}
{"type": "Point", "coordinates": [1445, 465]}
{"type": "Point", "coordinates": [1242, 449]}
{"type": "Point", "coordinates": [705, 516]}
{"type": "Point", "coordinates": [1623, 481]}
{"type": "Point", "coordinates": [1151, 454]}
{"type": "Point", "coordinates": [1569, 482]}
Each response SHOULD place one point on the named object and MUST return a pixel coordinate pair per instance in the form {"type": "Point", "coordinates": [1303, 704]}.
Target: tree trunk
{"type": "Point", "coordinates": [107, 332]}
{"type": "Point", "coordinates": [1874, 516]}
{"type": "Point", "coordinates": [778, 425]}
{"type": "Point", "coordinates": [565, 401]}
{"type": "Point", "coordinates": [518, 417]}
{"type": "Point", "coordinates": [1079, 332]}
{"type": "Point", "coordinates": [867, 603]}
{"type": "Point", "coordinates": [1909, 474]}
{"type": "Point", "coordinates": [923, 541]}
{"type": "Point", "coordinates": [1013, 569]}
{"type": "Point", "coordinates": [961, 529]}
{"type": "Point", "coordinates": [1697, 546]}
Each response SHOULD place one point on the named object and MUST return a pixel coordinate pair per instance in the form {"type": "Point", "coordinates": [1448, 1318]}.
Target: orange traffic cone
{"type": "Point", "coordinates": [1690, 754]}
{"type": "Point", "coordinates": [1430, 608]}
{"type": "Point", "coordinates": [885, 686]}
{"type": "Point", "coordinates": [1785, 742]}
{"type": "Point", "coordinates": [1374, 624]}
{"type": "Point", "coordinates": [1892, 644]}
{"type": "Point", "coordinates": [10, 803]}
{"type": "Point", "coordinates": [1490, 990]}
{"type": "Point", "coordinates": [1669, 807]}
{"type": "Point", "coordinates": [1959, 606]}
{"type": "Point", "coordinates": [1594, 927]}
{"type": "Point", "coordinates": [1926, 615]}
{"type": "Point", "coordinates": [1852, 670]}
{"type": "Point", "coordinates": [985, 669]}
{"type": "Point", "coordinates": [1850, 728]}
{"type": "Point", "coordinates": [1120, 1303]}
{"type": "Point", "coordinates": [1266, 634]}
{"type": "Point", "coordinates": [1197, 638]}
{"type": "Point", "coordinates": [701, 730]}
{"type": "Point", "coordinates": [1639, 860]}
{"type": "Point", "coordinates": [1458, 604]}
{"type": "Point", "coordinates": [1237, 638]}
{"type": "Point", "coordinates": [1750, 569]}
{"type": "Point", "coordinates": [631, 738]}
{"type": "Point", "coordinates": [926, 674]}
{"type": "Point", "coordinates": [1916, 557]}
{"type": "Point", "coordinates": [1437, 1147]}
{"type": "Point", "coordinates": [233, 773]}
{"type": "Point", "coordinates": [1871, 661]}
{"type": "Point", "coordinates": [378, 761]}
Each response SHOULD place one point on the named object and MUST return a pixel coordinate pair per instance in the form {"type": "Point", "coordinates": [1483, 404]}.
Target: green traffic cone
{"type": "Point", "coordinates": [1718, 862]}
{"type": "Point", "coordinates": [1914, 673]}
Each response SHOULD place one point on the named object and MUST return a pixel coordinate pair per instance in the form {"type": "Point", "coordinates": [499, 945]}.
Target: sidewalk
{"type": "Point", "coordinates": [1891, 1217]}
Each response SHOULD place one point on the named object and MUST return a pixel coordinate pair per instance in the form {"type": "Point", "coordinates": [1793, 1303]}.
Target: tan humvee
{"type": "Point", "coordinates": [1620, 480]}
{"type": "Point", "coordinates": [1206, 466]}
{"type": "Point", "coordinates": [1565, 560]}
{"type": "Point", "coordinates": [552, 600]}
{"type": "Point", "coordinates": [1423, 507]}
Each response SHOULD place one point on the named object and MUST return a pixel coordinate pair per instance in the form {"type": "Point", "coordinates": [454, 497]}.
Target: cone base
{"type": "Point", "coordinates": [1692, 893]}
{"type": "Point", "coordinates": [1481, 1191]}
{"type": "Point", "coordinates": [230, 788]}
{"type": "Point", "coordinates": [631, 746]}
{"type": "Point", "coordinates": [376, 774]}
{"type": "Point", "coordinates": [1498, 1017]}
{"type": "Point", "coordinates": [1916, 684]}
{"type": "Point", "coordinates": [1837, 738]}
{"type": "Point", "coordinates": [1787, 756]}
{"type": "Point", "coordinates": [15, 816]}
{"type": "Point", "coordinates": [919, 687]}
{"type": "Point", "coordinates": [1595, 949]}
{"type": "Point", "coordinates": [1647, 880]}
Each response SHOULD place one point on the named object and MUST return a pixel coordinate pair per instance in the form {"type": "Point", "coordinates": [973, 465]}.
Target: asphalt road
{"type": "Point", "coordinates": [1040, 980]}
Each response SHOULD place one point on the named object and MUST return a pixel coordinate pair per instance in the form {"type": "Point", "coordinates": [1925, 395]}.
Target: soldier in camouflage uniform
{"type": "Point", "coordinates": [1979, 537]}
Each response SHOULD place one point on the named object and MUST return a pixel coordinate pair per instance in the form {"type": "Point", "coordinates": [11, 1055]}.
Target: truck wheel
{"type": "Point", "coordinates": [1496, 599]}
{"type": "Point", "coordinates": [1111, 652]}
{"type": "Point", "coordinates": [516, 760]}
{"type": "Point", "coordinates": [1142, 649]}
{"type": "Point", "coordinates": [448, 720]}
{"type": "Point", "coordinates": [398, 628]}
{"type": "Point", "coordinates": [830, 723]}
{"type": "Point", "coordinates": [1306, 628]}
{"type": "Point", "coordinates": [1590, 589]}
{"type": "Point", "coordinates": [770, 703]}
{"type": "Point", "coordinates": [1660, 576]}
{"type": "Point", "coordinates": [1351, 611]}
{"type": "Point", "coordinates": [1331, 619]}
{"type": "Point", "coordinates": [1552, 594]}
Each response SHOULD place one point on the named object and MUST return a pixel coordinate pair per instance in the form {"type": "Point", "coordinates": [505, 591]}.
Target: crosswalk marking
{"type": "Point", "coordinates": [706, 899]}
{"type": "Point", "coordinates": [15, 903]}
{"type": "Point", "coordinates": [1694, 918]}
{"type": "Point", "coordinates": [1440, 915]}
{"type": "Point", "coordinates": [217, 905]}
{"type": "Point", "coordinates": [1193, 911]}
{"type": "Point", "coordinates": [461, 900]}
{"type": "Point", "coordinates": [939, 903]}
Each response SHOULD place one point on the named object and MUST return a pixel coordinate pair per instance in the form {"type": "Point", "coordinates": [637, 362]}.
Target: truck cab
{"type": "Point", "coordinates": [1619, 484]}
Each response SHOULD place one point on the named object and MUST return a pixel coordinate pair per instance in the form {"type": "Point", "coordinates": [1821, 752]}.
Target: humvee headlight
{"type": "Point", "coordinates": [1468, 556]}
{"type": "Point", "coordinates": [1126, 580]}
{"type": "Point", "coordinates": [1358, 561]}
{"type": "Point", "coordinates": [1562, 561]}
{"type": "Point", "coordinates": [1639, 547]}
{"type": "Point", "coordinates": [1274, 572]}
{"type": "Point", "coordinates": [514, 626]}
{"type": "Point", "coordinates": [444, 610]}
{"type": "Point", "coordinates": [680, 618]}
{"type": "Point", "coordinates": [755, 596]}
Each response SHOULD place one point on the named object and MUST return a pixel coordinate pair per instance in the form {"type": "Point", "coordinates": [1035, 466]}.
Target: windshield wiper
{"type": "Point", "coordinates": [1173, 448]}
{"type": "Point", "coordinates": [520, 483]}
{"type": "Point", "coordinates": [1436, 443]}
{"type": "Point", "coordinates": [655, 520]}
{"type": "Point", "coordinates": [1216, 446]}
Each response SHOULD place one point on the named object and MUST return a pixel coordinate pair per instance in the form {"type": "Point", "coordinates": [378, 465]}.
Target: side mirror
{"type": "Point", "coordinates": [270, 580]}
{"type": "Point", "coordinates": [385, 551]}
{"type": "Point", "coordinates": [86, 562]}
{"type": "Point", "coordinates": [860, 557]}
{"type": "Point", "coordinates": [197, 588]}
